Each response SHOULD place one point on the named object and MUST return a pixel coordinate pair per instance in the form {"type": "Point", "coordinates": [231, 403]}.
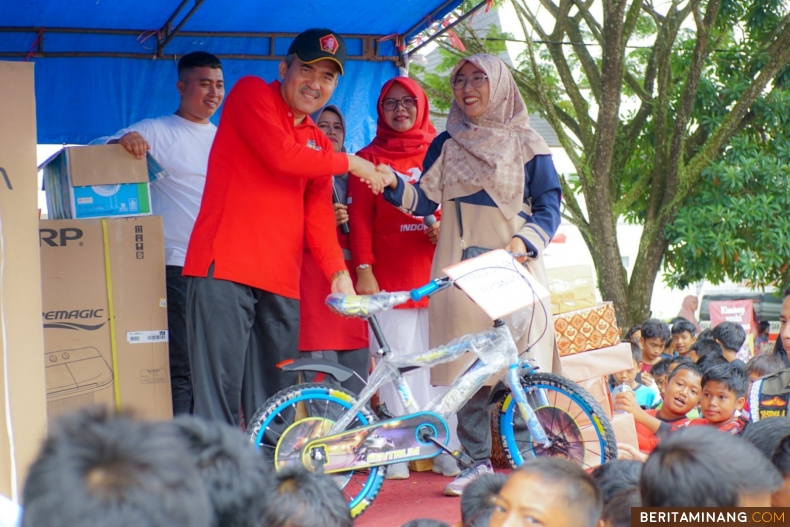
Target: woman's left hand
{"type": "Point", "coordinates": [388, 176]}
{"type": "Point", "coordinates": [341, 214]}
{"type": "Point", "coordinates": [516, 246]}
{"type": "Point", "coordinates": [433, 232]}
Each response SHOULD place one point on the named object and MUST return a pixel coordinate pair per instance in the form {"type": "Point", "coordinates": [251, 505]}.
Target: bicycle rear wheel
{"type": "Point", "coordinates": [301, 413]}
{"type": "Point", "coordinates": [575, 423]}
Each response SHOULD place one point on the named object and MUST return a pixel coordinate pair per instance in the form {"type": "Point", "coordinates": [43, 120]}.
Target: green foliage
{"type": "Point", "coordinates": [437, 85]}
{"type": "Point", "coordinates": [734, 226]}
{"type": "Point", "coordinates": [709, 188]}
{"type": "Point", "coordinates": [737, 226]}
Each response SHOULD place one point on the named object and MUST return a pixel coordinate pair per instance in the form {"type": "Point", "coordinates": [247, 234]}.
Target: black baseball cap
{"type": "Point", "coordinates": [317, 44]}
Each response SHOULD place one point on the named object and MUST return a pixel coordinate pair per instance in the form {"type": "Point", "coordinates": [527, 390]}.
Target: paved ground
{"type": "Point", "coordinates": [420, 496]}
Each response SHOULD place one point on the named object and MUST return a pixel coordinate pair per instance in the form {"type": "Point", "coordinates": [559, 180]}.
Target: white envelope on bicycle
{"type": "Point", "coordinates": [497, 283]}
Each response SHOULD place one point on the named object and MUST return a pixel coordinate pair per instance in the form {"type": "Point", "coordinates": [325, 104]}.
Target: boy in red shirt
{"type": "Point", "coordinates": [684, 387]}
{"type": "Point", "coordinates": [723, 397]}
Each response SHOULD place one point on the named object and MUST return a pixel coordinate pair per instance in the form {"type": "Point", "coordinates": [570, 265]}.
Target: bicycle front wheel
{"type": "Point", "coordinates": [575, 423]}
{"type": "Point", "coordinates": [296, 415]}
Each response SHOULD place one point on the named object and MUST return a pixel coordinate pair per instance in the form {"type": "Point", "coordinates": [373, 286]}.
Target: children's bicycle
{"type": "Point", "coordinates": [328, 429]}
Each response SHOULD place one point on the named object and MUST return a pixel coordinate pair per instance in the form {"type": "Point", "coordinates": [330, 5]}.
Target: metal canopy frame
{"type": "Point", "coordinates": [370, 44]}
{"type": "Point", "coordinates": [447, 28]}
{"type": "Point", "coordinates": [166, 34]}
{"type": "Point", "coordinates": [169, 32]}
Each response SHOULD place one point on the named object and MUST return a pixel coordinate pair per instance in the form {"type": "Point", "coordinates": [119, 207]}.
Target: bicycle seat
{"type": "Point", "coordinates": [365, 306]}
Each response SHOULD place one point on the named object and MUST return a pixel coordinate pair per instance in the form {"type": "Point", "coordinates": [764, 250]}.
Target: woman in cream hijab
{"type": "Point", "coordinates": [497, 172]}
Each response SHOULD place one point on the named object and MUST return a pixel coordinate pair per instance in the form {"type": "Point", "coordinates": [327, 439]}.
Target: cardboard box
{"type": "Point", "coordinates": [98, 181]}
{"type": "Point", "coordinates": [586, 329]}
{"type": "Point", "coordinates": [624, 428]}
{"type": "Point", "coordinates": [22, 403]}
{"type": "Point", "coordinates": [599, 389]}
{"type": "Point", "coordinates": [572, 288]}
{"type": "Point", "coordinates": [105, 315]}
{"type": "Point", "coordinates": [421, 465]}
{"type": "Point", "coordinates": [597, 363]}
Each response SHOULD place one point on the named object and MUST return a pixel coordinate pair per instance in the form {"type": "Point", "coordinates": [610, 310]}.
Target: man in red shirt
{"type": "Point", "coordinates": [268, 188]}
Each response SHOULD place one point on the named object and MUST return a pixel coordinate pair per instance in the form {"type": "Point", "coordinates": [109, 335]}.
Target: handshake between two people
{"type": "Point", "coordinates": [377, 177]}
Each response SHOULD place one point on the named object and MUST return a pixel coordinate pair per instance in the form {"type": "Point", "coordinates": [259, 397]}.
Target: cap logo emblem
{"type": "Point", "coordinates": [329, 44]}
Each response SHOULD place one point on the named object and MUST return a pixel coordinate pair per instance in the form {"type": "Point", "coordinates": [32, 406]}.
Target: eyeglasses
{"type": "Point", "coordinates": [477, 80]}
{"type": "Point", "coordinates": [392, 104]}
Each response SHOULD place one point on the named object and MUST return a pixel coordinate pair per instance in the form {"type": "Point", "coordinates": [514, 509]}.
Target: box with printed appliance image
{"type": "Point", "coordinates": [105, 315]}
{"type": "Point", "coordinates": [99, 181]}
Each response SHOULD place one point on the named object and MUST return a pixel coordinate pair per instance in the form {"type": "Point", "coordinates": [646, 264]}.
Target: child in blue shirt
{"type": "Point", "coordinates": [646, 396]}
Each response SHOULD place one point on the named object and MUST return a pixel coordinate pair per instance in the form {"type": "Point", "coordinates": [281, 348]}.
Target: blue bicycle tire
{"type": "Point", "coordinates": [305, 394]}
{"type": "Point", "coordinates": [586, 408]}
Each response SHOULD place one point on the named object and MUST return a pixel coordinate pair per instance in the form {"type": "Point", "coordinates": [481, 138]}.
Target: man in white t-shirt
{"type": "Point", "coordinates": [181, 144]}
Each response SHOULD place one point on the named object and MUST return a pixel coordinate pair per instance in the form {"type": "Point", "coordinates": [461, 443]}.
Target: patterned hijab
{"type": "Point", "coordinates": [489, 152]}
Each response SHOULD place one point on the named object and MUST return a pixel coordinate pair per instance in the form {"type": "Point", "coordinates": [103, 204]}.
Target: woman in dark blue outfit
{"type": "Point", "coordinates": [496, 182]}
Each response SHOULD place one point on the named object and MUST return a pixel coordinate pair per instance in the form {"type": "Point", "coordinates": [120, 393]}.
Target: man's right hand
{"type": "Point", "coordinates": [374, 176]}
{"type": "Point", "coordinates": [366, 282]}
{"type": "Point", "coordinates": [134, 143]}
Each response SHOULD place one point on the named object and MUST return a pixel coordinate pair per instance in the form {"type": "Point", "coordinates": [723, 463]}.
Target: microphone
{"type": "Point", "coordinates": [336, 199]}
{"type": "Point", "coordinates": [429, 220]}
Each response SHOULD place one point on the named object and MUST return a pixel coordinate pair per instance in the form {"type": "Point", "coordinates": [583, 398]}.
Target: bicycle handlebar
{"type": "Point", "coordinates": [429, 288]}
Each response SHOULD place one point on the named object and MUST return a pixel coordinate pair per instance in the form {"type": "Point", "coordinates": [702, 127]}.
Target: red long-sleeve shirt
{"type": "Point", "coordinates": [648, 441]}
{"type": "Point", "coordinates": [393, 242]}
{"type": "Point", "coordinates": [734, 427]}
{"type": "Point", "coordinates": [319, 328]}
{"type": "Point", "coordinates": [268, 187]}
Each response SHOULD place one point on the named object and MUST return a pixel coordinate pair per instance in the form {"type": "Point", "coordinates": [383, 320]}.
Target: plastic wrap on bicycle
{"type": "Point", "coordinates": [364, 306]}
{"type": "Point", "coordinates": [464, 387]}
{"type": "Point", "coordinates": [492, 345]}
{"type": "Point", "coordinates": [379, 376]}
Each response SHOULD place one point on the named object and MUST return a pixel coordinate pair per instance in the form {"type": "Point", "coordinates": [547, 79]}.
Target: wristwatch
{"type": "Point", "coordinates": [362, 267]}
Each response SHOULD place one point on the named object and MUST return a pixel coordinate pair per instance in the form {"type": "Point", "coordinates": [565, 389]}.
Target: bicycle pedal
{"type": "Point", "coordinates": [318, 459]}
{"type": "Point", "coordinates": [382, 412]}
{"type": "Point", "coordinates": [464, 459]}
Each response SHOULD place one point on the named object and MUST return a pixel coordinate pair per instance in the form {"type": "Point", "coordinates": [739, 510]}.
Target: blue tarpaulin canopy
{"type": "Point", "coordinates": [104, 64]}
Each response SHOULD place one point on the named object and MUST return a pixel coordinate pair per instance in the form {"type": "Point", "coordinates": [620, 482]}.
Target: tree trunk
{"type": "Point", "coordinates": [605, 253]}
{"type": "Point", "coordinates": [652, 246]}
{"type": "Point", "coordinates": [599, 190]}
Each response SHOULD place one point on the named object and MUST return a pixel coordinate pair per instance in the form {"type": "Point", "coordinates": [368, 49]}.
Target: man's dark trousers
{"type": "Point", "coordinates": [180, 377]}
{"type": "Point", "coordinates": [237, 334]}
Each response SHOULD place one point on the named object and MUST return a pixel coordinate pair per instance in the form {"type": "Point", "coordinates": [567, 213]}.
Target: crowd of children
{"type": "Point", "coordinates": [96, 470]}
{"type": "Point", "coordinates": [683, 379]}
{"type": "Point", "coordinates": [685, 389]}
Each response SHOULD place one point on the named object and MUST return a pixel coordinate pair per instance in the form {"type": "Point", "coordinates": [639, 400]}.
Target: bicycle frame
{"type": "Point", "coordinates": [495, 351]}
